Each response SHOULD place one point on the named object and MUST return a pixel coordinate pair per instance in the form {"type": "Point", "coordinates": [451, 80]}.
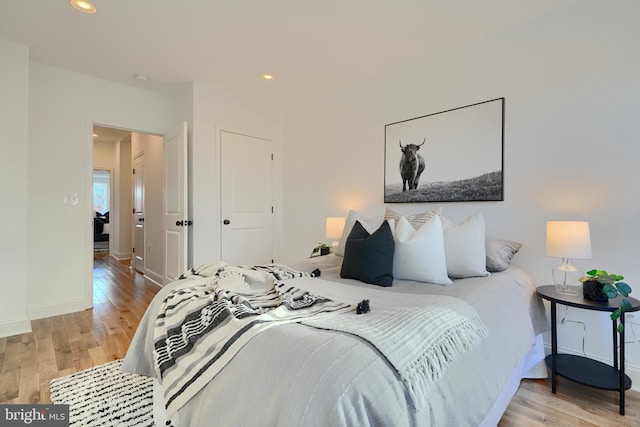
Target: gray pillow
{"type": "Point", "coordinates": [499, 253]}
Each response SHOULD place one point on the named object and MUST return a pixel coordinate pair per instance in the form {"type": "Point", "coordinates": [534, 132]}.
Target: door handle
{"type": "Point", "coordinates": [226, 222]}
{"type": "Point", "coordinates": [179, 223]}
{"type": "Point", "coordinates": [141, 219]}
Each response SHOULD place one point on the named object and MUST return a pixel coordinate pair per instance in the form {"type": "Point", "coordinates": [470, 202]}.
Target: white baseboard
{"type": "Point", "coordinates": [634, 373]}
{"type": "Point", "coordinates": [14, 327]}
{"type": "Point", "coordinates": [153, 277]}
{"type": "Point", "coordinates": [631, 371]}
{"type": "Point", "coordinates": [48, 310]}
{"type": "Point", "coordinates": [121, 256]}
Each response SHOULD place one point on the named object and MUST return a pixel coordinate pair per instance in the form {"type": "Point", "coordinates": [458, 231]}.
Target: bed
{"type": "Point", "coordinates": [304, 373]}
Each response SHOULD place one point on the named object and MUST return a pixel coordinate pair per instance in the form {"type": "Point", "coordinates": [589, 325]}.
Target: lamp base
{"type": "Point", "coordinates": [566, 277]}
{"type": "Point", "coordinates": [568, 290]}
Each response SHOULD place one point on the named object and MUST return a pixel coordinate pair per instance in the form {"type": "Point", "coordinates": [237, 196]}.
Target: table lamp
{"type": "Point", "coordinates": [568, 240]}
{"type": "Point", "coordinates": [333, 230]}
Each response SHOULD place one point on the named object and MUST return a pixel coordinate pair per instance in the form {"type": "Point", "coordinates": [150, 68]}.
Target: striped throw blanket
{"type": "Point", "coordinates": [201, 325]}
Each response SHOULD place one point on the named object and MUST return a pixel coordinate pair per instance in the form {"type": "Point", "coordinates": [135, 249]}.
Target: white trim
{"type": "Point", "coordinates": [153, 277]}
{"type": "Point", "coordinates": [14, 327]}
{"type": "Point", "coordinates": [634, 373]}
{"type": "Point", "coordinates": [87, 266]}
{"type": "Point", "coordinates": [121, 257]}
{"type": "Point", "coordinates": [49, 310]}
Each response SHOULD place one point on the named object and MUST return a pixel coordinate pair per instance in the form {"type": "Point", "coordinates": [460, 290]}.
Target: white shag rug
{"type": "Point", "coordinates": [105, 396]}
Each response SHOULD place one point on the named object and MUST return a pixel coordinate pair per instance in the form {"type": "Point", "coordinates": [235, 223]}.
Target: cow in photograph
{"type": "Point", "coordinates": [411, 165]}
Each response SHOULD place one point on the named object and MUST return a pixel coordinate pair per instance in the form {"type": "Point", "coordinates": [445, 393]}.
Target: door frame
{"type": "Point", "coordinates": [87, 264]}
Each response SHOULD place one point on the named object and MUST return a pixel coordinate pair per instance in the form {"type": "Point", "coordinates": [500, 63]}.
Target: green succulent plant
{"type": "Point", "coordinates": [320, 250]}
{"type": "Point", "coordinates": [613, 286]}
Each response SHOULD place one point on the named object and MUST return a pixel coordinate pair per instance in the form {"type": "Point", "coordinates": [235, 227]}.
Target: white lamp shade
{"type": "Point", "coordinates": [334, 227]}
{"type": "Point", "coordinates": [568, 239]}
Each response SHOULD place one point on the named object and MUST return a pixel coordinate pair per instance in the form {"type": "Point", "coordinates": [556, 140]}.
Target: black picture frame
{"type": "Point", "coordinates": [462, 150]}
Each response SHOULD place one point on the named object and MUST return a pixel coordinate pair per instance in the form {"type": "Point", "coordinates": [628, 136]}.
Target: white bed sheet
{"type": "Point", "coordinates": [297, 375]}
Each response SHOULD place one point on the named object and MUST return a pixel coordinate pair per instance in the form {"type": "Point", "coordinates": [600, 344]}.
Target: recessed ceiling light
{"type": "Point", "coordinates": [141, 77]}
{"type": "Point", "coordinates": [267, 77]}
{"type": "Point", "coordinates": [83, 6]}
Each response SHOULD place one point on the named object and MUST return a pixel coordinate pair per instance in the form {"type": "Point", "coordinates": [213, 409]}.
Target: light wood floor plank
{"type": "Point", "coordinates": [47, 370]}
{"type": "Point", "coordinates": [9, 385]}
{"type": "Point", "coordinates": [573, 404]}
{"type": "Point", "coordinates": [29, 387]}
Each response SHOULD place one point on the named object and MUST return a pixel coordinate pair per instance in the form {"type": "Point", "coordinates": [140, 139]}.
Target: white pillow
{"type": "Point", "coordinates": [419, 255]}
{"type": "Point", "coordinates": [416, 220]}
{"type": "Point", "coordinates": [464, 246]}
{"type": "Point", "coordinates": [371, 225]}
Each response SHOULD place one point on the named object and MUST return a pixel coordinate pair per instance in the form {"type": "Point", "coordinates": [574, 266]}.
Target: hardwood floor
{"type": "Point", "coordinates": [65, 344]}
{"type": "Point", "coordinates": [572, 405]}
{"type": "Point", "coordinates": [62, 345]}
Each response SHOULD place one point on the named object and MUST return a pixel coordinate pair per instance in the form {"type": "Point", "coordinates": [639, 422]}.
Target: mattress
{"type": "Point", "coordinates": [298, 375]}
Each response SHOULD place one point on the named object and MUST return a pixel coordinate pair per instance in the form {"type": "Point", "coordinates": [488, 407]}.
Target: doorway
{"type": "Point", "coordinates": [121, 151]}
{"type": "Point", "coordinates": [101, 207]}
{"type": "Point", "coordinates": [112, 152]}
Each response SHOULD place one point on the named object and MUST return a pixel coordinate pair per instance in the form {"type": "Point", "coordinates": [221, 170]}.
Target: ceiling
{"type": "Point", "coordinates": [108, 134]}
{"type": "Point", "coordinates": [310, 46]}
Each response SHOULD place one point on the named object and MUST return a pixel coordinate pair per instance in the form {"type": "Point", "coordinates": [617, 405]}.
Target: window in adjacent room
{"type": "Point", "coordinates": [101, 190]}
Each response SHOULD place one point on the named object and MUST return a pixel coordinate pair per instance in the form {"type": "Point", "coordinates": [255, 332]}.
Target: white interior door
{"type": "Point", "coordinates": [138, 213]}
{"type": "Point", "coordinates": [245, 199]}
{"type": "Point", "coordinates": [176, 220]}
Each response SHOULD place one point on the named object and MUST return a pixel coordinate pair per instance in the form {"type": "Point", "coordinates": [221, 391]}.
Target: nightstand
{"type": "Point", "coordinates": [582, 369]}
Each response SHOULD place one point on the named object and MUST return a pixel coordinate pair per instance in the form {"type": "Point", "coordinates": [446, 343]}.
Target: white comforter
{"type": "Point", "coordinates": [296, 375]}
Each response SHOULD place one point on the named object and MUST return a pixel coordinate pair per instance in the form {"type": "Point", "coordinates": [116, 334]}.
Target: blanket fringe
{"type": "Point", "coordinates": [420, 343]}
{"type": "Point", "coordinates": [431, 365]}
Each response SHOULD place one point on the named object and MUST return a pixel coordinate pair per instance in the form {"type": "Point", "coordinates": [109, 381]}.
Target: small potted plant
{"type": "Point", "coordinates": [321, 249]}
{"type": "Point", "coordinates": [598, 285]}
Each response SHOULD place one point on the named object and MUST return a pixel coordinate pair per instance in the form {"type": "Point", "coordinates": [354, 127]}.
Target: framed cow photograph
{"type": "Point", "coordinates": [451, 156]}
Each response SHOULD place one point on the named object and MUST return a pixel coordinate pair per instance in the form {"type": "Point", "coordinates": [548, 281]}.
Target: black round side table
{"type": "Point", "coordinates": [582, 369]}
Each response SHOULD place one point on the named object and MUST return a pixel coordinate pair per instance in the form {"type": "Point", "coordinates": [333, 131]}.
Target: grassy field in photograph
{"type": "Point", "coordinates": [484, 187]}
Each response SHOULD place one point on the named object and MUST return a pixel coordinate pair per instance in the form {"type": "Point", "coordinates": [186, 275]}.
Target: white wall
{"type": "Point", "coordinates": [14, 166]}
{"type": "Point", "coordinates": [571, 89]}
{"type": "Point", "coordinates": [214, 111]}
{"type": "Point", "coordinates": [48, 267]}
{"type": "Point", "coordinates": [104, 155]}
{"type": "Point", "coordinates": [571, 144]}
{"type": "Point", "coordinates": [63, 108]}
